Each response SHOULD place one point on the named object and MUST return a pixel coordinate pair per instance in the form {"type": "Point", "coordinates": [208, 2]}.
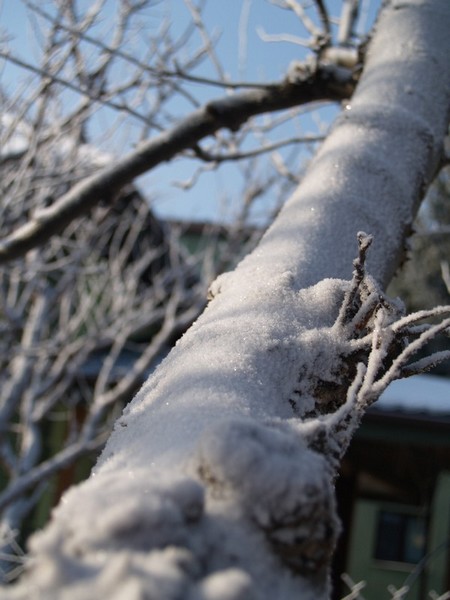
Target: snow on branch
{"type": "Point", "coordinates": [379, 344]}
{"type": "Point", "coordinates": [252, 488]}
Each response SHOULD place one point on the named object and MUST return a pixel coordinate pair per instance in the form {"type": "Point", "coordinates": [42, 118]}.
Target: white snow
{"type": "Point", "coordinates": [239, 362]}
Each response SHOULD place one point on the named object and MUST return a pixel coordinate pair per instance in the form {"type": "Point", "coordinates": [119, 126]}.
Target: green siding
{"type": "Point", "coordinates": [439, 535]}
{"type": "Point", "coordinates": [378, 575]}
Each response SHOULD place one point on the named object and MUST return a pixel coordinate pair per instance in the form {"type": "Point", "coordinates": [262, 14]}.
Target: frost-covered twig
{"type": "Point", "coordinates": [445, 272]}
{"type": "Point", "coordinates": [398, 594]}
{"type": "Point", "coordinates": [351, 305]}
{"type": "Point", "coordinates": [88, 298]}
{"type": "Point", "coordinates": [355, 588]}
{"type": "Point", "coordinates": [349, 14]}
{"type": "Point", "coordinates": [218, 158]}
{"type": "Point", "coordinates": [12, 555]}
{"type": "Point", "coordinates": [378, 345]}
{"type": "Point", "coordinates": [309, 25]}
{"type": "Point", "coordinates": [434, 596]}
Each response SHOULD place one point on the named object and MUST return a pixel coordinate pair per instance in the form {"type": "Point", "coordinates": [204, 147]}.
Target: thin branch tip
{"type": "Point", "coordinates": [364, 239]}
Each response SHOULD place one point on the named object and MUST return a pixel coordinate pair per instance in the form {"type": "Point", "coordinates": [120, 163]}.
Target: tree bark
{"type": "Point", "coordinates": [209, 487]}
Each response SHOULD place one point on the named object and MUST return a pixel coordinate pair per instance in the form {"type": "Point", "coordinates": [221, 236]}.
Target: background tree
{"type": "Point", "coordinates": [218, 479]}
{"type": "Point", "coordinates": [83, 319]}
{"type": "Point", "coordinates": [85, 316]}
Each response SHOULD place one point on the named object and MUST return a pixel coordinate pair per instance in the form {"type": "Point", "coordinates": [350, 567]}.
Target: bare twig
{"type": "Point", "coordinates": [349, 14]}
{"type": "Point", "coordinates": [216, 158]}
{"type": "Point", "coordinates": [284, 37]}
{"type": "Point", "coordinates": [354, 587]}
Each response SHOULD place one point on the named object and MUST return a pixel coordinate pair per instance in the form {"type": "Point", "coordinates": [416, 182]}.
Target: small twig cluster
{"type": "Point", "coordinates": [380, 332]}
{"type": "Point", "coordinates": [380, 344]}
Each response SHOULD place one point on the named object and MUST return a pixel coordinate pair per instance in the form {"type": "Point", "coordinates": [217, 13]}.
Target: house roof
{"type": "Point", "coordinates": [427, 395]}
{"type": "Point", "coordinates": [411, 411]}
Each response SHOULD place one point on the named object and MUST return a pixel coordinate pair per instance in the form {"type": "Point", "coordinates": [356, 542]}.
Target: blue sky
{"type": "Point", "coordinates": [244, 56]}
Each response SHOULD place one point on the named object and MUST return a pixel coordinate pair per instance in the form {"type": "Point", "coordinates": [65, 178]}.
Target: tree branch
{"type": "Point", "coordinates": [310, 83]}
{"type": "Point", "coordinates": [349, 14]}
{"type": "Point", "coordinates": [218, 158]}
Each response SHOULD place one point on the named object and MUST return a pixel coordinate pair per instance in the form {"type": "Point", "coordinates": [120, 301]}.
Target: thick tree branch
{"type": "Point", "coordinates": [309, 83]}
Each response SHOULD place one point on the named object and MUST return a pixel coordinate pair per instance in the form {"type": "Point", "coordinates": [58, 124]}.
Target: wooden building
{"type": "Point", "coordinates": [394, 494]}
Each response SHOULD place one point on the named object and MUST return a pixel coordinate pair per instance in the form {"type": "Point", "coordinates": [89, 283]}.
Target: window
{"type": "Point", "coordinates": [400, 537]}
